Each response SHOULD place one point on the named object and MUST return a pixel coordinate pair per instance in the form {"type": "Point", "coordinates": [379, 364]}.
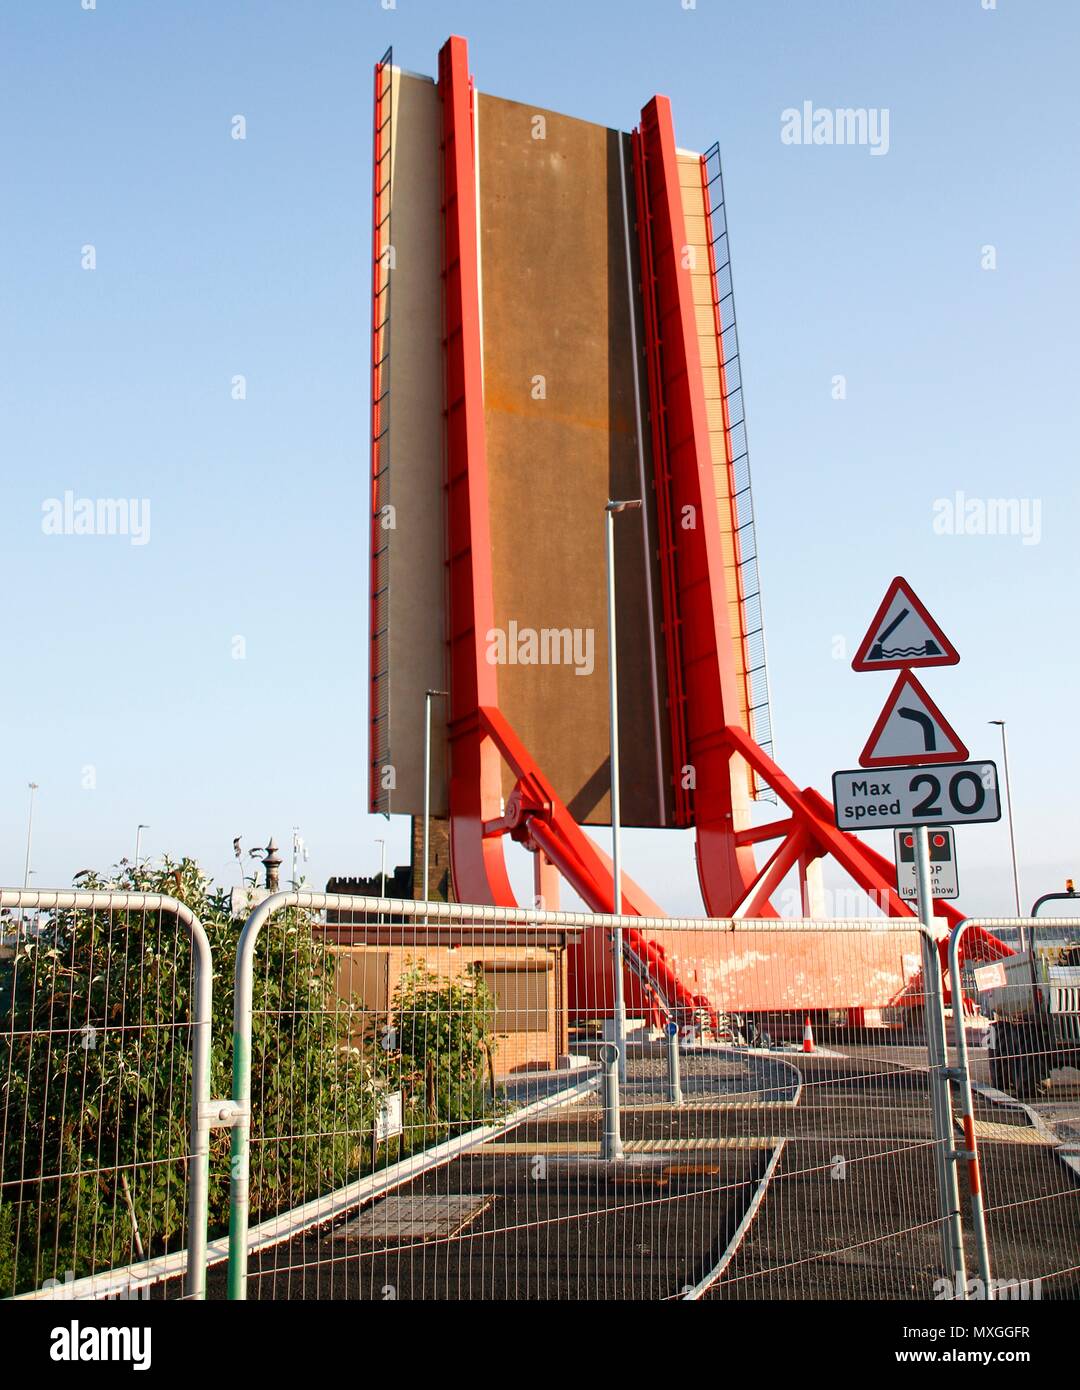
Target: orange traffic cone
{"type": "Point", "coordinates": [808, 1036]}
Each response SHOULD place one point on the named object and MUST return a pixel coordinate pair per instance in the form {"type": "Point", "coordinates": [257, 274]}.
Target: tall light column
{"type": "Point", "coordinates": [29, 834]}
{"type": "Point", "coordinates": [616, 826]}
{"type": "Point", "coordinates": [1012, 833]}
{"type": "Point", "coordinates": [429, 696]}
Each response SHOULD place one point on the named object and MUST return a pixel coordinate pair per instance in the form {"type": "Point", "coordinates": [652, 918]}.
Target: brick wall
{"type": "Point", "coordinates": [438, 859]}
{"type": "Point", "coordinates": [528, 982]}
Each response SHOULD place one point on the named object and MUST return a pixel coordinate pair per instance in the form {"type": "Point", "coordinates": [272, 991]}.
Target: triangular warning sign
{"type": "Point", "coordinates": [911, 730]}
{"type": "Point", "coordinates": [903, 635]}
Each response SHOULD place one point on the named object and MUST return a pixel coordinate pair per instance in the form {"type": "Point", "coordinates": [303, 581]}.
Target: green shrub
{"type": "Point", "coordinates": [444, 1031]}
{"type": "Point", "coordinates": [95, 1075]}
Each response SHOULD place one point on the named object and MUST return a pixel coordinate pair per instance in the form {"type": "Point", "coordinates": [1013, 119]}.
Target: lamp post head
{"type": "Point", "coordinates": [630, 505]}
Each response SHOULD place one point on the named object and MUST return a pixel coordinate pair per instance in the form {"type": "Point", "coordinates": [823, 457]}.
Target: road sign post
{"type": "Point", "coordinates": [917, 780]}
{"type": "Point", "coordinates": [938, 1058]}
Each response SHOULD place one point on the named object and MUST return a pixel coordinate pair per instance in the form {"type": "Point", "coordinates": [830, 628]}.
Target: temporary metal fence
{"type": "Point", "coordinates": [1020, 1098]}
{"type": "Point", "coordinates": [426, 1103]}
{"type": "Point", "coordinates": [105, 1019]}
{"type": "Point", "coordinates": [745, 1167]}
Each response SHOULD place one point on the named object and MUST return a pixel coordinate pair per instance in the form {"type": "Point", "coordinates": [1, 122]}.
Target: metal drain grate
{"type": "Point", "coordinates": [417, 1217]}
{"type": "Point", "coordinates": [1006, 1134]}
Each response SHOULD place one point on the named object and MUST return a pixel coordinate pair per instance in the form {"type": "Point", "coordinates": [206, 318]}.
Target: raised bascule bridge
{"type": "Point", "coordinates": [553, 329]}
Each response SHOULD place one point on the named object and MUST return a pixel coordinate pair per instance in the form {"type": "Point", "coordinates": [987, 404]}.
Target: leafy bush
{"type": "Point", "coordinates": [95, 1075]}
{"type": "Point", "coordinates": [444, 1030]}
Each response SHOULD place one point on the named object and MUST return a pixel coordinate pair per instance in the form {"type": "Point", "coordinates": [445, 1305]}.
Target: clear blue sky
{"type": "Point", "coordinates": [217, 257]}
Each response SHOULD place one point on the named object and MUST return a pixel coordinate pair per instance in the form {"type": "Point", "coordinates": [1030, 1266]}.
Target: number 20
{"type": "Point", "coordinates": [928, 806]}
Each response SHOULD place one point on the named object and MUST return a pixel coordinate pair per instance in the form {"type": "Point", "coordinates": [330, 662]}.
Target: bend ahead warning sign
{"type": "Point", "coordinates": [911, 730]}
{"type": "Point", "coordinates": [898, 797]}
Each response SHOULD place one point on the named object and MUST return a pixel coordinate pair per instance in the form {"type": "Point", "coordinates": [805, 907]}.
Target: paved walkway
{"type": "Point", "coordinates": [850, 1211]}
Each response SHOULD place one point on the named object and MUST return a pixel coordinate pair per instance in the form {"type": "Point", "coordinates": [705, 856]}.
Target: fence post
{"type": "Point", "coordinates": [674, 1080]}
{"type": "Point", "coordinates": [199, 1178]}
{"type": "Point", "coordinates": [938, 1056]}
{"type": "Point", "coordinates": [240, 1170]}
{"type": "Point", "coordinates": [971, 1154]}
{"type": "Point", "coordinates": [609, 1062]}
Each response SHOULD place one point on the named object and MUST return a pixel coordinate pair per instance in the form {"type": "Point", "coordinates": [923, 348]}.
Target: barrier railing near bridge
{"type": "Point", "coordinates": [777, 1174]}
{"type": "Point", "coordinates": [418, 1110]}
{"type": "Point", "coordinates": [1020, 1100]}
{"type": "Point", "coordinates": [105, 1019]}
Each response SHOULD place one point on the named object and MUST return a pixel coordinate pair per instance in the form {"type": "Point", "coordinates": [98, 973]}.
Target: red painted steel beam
{"type": "Point", "coordinates": [661, 485]}
{"type": "Point", "coordinates": [755, 834]}
{"type": "Point", "coordinates": [706, 655]}
{"type": "Point", "coordinates": [782, 861]}
{"type": "Point", "coordinates": [551, 825]}
{"type": "Point", "coordinates": [542, 819]}
{"type": "Point", "coordinates": [873, 872]}
{"type": "Point", "coordinates": [477, 863]}
{"type": "Point", "coordinates": [819, 828]}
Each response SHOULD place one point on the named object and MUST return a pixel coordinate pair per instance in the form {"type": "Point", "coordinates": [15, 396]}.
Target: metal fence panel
{"type": "Point", "coordinates": [1023, 1114]}
{"type": "Point", "coordinates": [467, 1153]}
{"type": "Point", "coordinates": [105, 1017]}
{"type": "Point", "coordinates": [427, 1104]}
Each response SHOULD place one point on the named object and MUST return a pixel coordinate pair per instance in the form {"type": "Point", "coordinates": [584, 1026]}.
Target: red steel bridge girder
{"type": "Point", "coordinates": [691, 556]}
{"type": "Point", "coordinates": [477, 861]}
{"type": "Point", "coordinates": [699, 644]}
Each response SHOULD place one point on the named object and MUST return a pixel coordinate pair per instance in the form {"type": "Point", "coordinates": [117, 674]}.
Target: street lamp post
{"type": "Point", "coordinates": [382, 867]}
{"type": "Point", "coordinates": [428, 697]}
{"type": "Point", "coordinates": [29, 834]}
{"type": "Point", "coordinates": [1012, 834]}
{"type": "Point", "coordinates": [138, 842]}
{"type": "Point", "coordinates": [616, 828]}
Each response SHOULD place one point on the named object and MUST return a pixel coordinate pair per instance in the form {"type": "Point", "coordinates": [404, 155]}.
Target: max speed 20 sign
{"type": "Point", "coordinates": [898, 797]}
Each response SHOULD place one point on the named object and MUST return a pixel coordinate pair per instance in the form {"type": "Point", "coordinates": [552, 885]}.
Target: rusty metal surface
{"type": "Point", "coordinates": [556, 306]}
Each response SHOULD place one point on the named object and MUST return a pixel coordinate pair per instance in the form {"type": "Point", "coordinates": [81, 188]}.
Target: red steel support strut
{"type": "Point", "coordinates": [477, 862]}
{"type": "Point", "coordinates": [705, 652]}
